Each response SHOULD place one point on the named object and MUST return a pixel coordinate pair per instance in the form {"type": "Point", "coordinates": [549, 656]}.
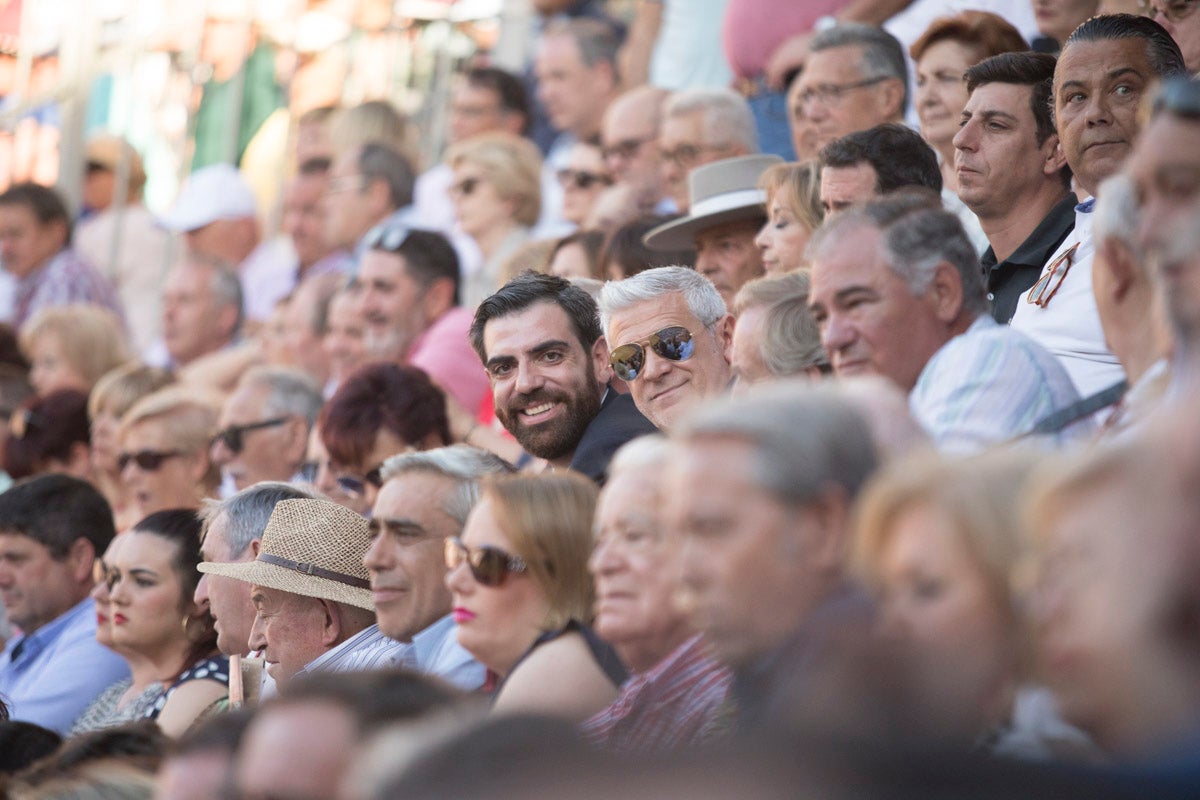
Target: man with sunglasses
{"type": "Point", "coordinates": [540, 342]}
{"type": "Point", "coordinates": [1107, 65]}
{"type": "Point", "coordinates": [671, 339]}
{"type": "Point", "coordinates": [264, 425]}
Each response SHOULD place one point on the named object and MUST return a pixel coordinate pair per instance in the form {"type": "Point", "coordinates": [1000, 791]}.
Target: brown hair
{"type": "Point", "coordinates": [989, 35]}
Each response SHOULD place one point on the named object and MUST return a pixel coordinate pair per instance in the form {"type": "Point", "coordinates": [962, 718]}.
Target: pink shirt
{"type": "Point", "coordinates": [444, 352]}
{"type": "Point", "coordinates": [754, 29]}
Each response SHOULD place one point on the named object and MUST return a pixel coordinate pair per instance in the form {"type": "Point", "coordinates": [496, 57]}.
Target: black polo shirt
{"type": "Point", "coordinates": [1009, 279]}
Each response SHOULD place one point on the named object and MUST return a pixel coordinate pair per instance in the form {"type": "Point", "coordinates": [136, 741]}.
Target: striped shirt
{"type": "Point", "coordinates": [989, 385]}
{"type": "Point", "coordinates": [366, 650]}
{"type": "Point", "coordinates": [666, 708]}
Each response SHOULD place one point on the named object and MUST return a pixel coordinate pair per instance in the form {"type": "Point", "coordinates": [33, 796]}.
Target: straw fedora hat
{"type": "Point", "coordinates": [723, 191]}
{"type": "Point", "coordinates": [313, 548]}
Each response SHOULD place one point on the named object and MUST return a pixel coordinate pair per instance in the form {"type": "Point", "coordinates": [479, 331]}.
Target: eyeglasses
{"type": "Point", "coordinates": [233, 437]}
{"type": "Point", "coordinates": [489, 565]}
{"type": "Point", "coordinates": [465, 188]}
{"type": "Point", "coordinates": [388, 238]}
{"type": "Point", "coordinates": [673, 343]}
{"type": "Point", "coordinates": [1179, 96]}
{"type": "Point", "coordinates": [146, 460]}
{"type": "Point", "coordinates": [626, 148]}
{"type": "Point", "coordinates": [686, 155]}
{"type": "Point", "coordinates": [1172, 10]}
{"type": "Point", "coordinates": [832, 94]}
{"type": "Point", "coordinates": [1046, 287]}
{"type": "Point", "coordinates": [354, 485]}
{"type": "Point", "coordinates": [582, 179]}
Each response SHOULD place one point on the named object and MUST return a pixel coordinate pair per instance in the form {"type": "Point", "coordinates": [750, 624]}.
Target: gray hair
{"type": "Point", "coordinates": [790, 341]}
{"type": "Point", "coordinates": [650, 451]}
{"type": "Point", "coordinates": [806, 438]}
{"type": "Point", "coordinates": [598, 41]}
{"type": "Point", "coordinates": [882, 53]}
{"type": "Point", "coordinates": [727, 118]}
{"type": "Point", "coordinates": [379, 162]}
{"type": "Point", "coordinates": [249, 511]}
{"type": "Point", "coordinates": [918, 235]}
{"type": "Point", "coordinates": [224, 283]}
{"type": "Point", "coordinates": [1117, 213]}
{"type": "Point", "coordinates": [465, 465]}
{"type": "Point", "coordinates": [702, 298]}
{"type": "Point", "coordinates": [290, 392]}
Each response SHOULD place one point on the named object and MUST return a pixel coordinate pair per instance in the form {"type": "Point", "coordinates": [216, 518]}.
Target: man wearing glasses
{"type": "Point", "coordinates": [1178, 18]}
{"type": "Point", "coordinates": [701, 126]}
{"type": "Point", "coordinates": [629, 138]}
{"type": "Point", "coordinates": [855, 78]}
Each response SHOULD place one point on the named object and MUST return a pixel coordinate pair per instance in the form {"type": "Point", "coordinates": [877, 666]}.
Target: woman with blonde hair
{"type": "Point", "coordinates": [793, 213]}
{"type": "Point", "coordinates": [523, 597]}
{"type": "Point", "coordinates": [70, 347]}
{"type": "Point", "coordinates": [497, 195]}
{"type": "Point", "coordinates": [164, 450]}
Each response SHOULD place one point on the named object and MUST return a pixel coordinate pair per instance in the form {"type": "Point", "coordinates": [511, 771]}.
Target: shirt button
{"type": "Point", "coordinates": [991, 296]}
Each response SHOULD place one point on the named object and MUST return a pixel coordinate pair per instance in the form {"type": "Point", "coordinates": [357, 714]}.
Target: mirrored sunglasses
{"type": "Point", "coordinates": [673, 343]}
{"type": "Point", "coordinates": [386, 237]}
{"type": "Point", "coordinates": [489, 565]}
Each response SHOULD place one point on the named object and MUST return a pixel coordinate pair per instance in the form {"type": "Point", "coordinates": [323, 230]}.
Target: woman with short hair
{"type": "Point", "coordinates": [72, 346]}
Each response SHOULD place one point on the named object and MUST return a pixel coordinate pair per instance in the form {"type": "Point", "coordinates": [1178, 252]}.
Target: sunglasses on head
{"type": "Point", "coordinates": [673, 343]}
{"type": "Point", "coordinates": [386, 237]}
{"type": "Point", "coordinates": [489, 565]}
{"type": "Point", "coordinates": [146, 460]}
{"type": "Point", "coordinates": [233, 437]}
{"type": "Point", "coordinates": [581, 179]}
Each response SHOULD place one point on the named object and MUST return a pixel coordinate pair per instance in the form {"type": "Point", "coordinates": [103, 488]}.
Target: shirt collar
{"type": "Point", "coordinates": [1044, 239]}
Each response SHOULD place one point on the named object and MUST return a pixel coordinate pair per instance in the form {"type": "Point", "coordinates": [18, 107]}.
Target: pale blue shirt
{"type": "Point", "coordinates": [436, 651]}
{"type": "Point", "coordinates": [989, 385]}
{"type": "Point", "coordinates": [58, 670]}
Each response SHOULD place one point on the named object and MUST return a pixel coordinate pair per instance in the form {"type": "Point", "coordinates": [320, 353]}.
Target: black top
{"type": "Point", "coordinates": [618, 422]}
{"type": "Point", "coordinates": [1009, 279]}
{"type": "Point", "coordinates": [605, 656]}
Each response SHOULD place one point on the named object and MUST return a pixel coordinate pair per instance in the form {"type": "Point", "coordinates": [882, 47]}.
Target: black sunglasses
{"type": "Point", "coordinates": [354, 485]}
{"type": "Point", "coordinates": [465, 188]}
{"type": "Point", "coordinates": [233, 437]}
{"type": "Point", "coordinates": [147, 460]}
{"type": "Point", "coordinates": [581, 179]}
{"type": "Point", "coordinates": [673, 343]}
{"type": "Point", "coordinates": [489, 565]}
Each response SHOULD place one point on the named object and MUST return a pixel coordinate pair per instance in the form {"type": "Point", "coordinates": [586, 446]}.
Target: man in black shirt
{"type": "Point", "coordinates": [1012, 173]}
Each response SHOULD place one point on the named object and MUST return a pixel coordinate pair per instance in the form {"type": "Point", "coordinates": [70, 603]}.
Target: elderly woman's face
{"type": "Point", "coordinates": [158, 473]}
{"type": "Point", "coordinates": [636, 576]}
{"type": "Point", "coordinates": [477, 201]}
{"type": "Point", "coordinates": [941, 90]}
{"type": "Point", "coordinates": [50, 370]}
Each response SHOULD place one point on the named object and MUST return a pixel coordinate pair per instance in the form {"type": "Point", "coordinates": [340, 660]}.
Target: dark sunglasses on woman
{"type": "Point", "coordinates": [489, 565]}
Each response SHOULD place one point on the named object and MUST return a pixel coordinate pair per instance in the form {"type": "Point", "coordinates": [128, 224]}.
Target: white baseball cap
{"type": "Point", "coordinates": [209, 194]}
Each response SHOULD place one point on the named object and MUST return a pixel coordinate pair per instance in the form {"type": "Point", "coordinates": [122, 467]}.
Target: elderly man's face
{"type": "Point", "coordinates": [284, 757]}
{"type": "Point", "coordinates": [683, 146]}
{"type": "Point", "coordinates": [870, 321]}
{"type": "Point", "coordinates": [348, 206]}
{"type": "Point", "coordinates": [288, 628]}
{"type": "Point", "coordinates": [392, 304]}
{"type": "Point", "coordinates": [1180, 19]}
{"type": "Point", "coordinates": [635, 570]}
{"type": "Point", "coordinates": [1098, 88]}
{"type": "Point", "coordinates": [303, 217]}
{"type": "Point", "coordinates": [727, 255]}
{"type": "Point", "coordinates": [834, 96]}
{"type": "Point", "coordinates": [195, 323]}
{"type": "Point", "coordinates": [409, 526]}
{"type": "Point", "coordinates": [271, 453]}
{"type": "Point", "coordinates": [664, 389]}
{"type": "Point", "coordinates": [630, 144]}
{"type": "Point", "coordinates": [573, 93]}
{"type": "Point", "coordinates": [228, 599]}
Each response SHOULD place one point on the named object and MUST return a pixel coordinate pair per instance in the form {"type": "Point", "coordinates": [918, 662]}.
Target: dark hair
{"type": "Point", "coordinates": [382, 396]}
{"type": "Point", "coordinates": [626, 247]}
{"type": "Point", "coordinates": [987, 33]}
{"type": "Point", "coordinates": [181, 527]}
{"type": "Point", "coordinates": [46, 204]}
{"type": "Point", "coordinates": [378, 162]}
{"type": "Point", "coordinates": [1161, 50]}
{"type": "Point", "coordinates": [534, 287]}
{"type": "Point", "coordinates": [591, 242]}
{"type": "Point", "coordinates": [140, 743]}
{"type": "Point", "coordinates": [56, 510]}
{"type": "Point", "coordinates": [898, 154]}
{"type": "Point", "coordinates": [23, 743]}
{"type": "Point", "coordinates": [507, 87]}
{"type": "Point", "coordinates": [428, 256]}
{"type": "Point", "coordinates": [374, 698]}
{"type": "Point", "coordinates": [50, 426]}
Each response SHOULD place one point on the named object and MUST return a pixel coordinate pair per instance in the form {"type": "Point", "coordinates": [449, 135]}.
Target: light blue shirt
{"type": "Point", "coordinates": [988, 385]}
{"type": "Point", "coordinates": [59, 670]}
{"type": "Point", "coordinates": [436, 651]}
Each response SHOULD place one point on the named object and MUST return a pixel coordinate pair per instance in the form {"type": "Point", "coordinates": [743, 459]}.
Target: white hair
{"type": "Point", "coordinates": [644, 452]}
{"type": "Point", "coordinates": [702, 298]}
{"type": "Point", "coordinates": [727, 116]}
{"type": "Point", "coordinates": [1117, 213]}
{"type": "Point", "coordinates": [461, 463]}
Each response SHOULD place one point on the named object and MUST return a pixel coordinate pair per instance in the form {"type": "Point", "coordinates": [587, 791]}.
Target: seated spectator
{"type": "Point", "coordinates": [49, 434]}
{"type": "Point", "coordinates": [371, 183]}
{"type": "Point", "coordinates": [1056, 21]}
{"type": "Point", "coordinates": [497, 196]}
{"type": "Point", "coordinates": [164, 443]}
{"type": "Point", "coordinates": [776, 335]}
{"type": "Point", "coordinates": [201, 764]}
{"type": "Point", "coordinates": [23, 743]}
{"type": "Point", "coordinates": [700, 126]}
{"type": "Point", "coordinates": [114, 394]}
{"type": "Point", "coordinates": [263, 427]}
{"type": "Point", "coordinates": [425, 499]}
{"type": "Point", "coordinates": [35, 249]}
{"type": "Point", "coordinates": [676, 689]}
{"type": "Point", "coordinates": [106, 777]}
{"type": "Point", "coordinates": [202, 311]}
{"type": "Point", "coordinates": [625, 254]}
{"type": "Point", "coordinates": [70, 347]}
{"type": "Point", "coordinates": [726, 215]}
{"type": "Point", "coordinates": [583, 178]}
{"type": "Point", "coordinates": [1179, 20]}
{"type": "Point", "coordinates": [794, 211]}
{"type": "Point", "coordinates": [871, 163]}
{"type": "Point", "coordinates": [523, 596]}
{"type": "Point", "coordinates": [382, 410]}
{"type": "Point", "coordinates": [897, 291]}
{"type": "Point", "coordinates": [669, 337]}
{"type": "Point", "coordinates": [345, 341]}
{"type": "Point", "coordinates": [302, 220]}
{"type": "Point", "coordinates": [629, 135]}
{"type": "Point", "coordinates": [149, 577]}
{"type": "Point", "coordinates": [305, 323]}
{"type": "Point", "coordinates": [51, 530]}
{"type": "Point", "coordinates": [311, 593]}
{"type": "Point", "coordinates": [577, 255]}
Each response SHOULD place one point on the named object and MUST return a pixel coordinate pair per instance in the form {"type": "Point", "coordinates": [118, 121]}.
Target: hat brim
{"type": "Point", "coordinates": [680, 234]}
{"type": "Point", "coordinates": [285, 580]}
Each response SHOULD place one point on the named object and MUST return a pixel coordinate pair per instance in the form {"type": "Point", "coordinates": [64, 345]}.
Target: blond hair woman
{"type": "Point", "coordinates": [70, 347]}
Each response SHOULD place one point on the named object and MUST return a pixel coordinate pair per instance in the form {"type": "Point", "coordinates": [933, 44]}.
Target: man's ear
{"type": "Point", "coordinates": [331, 627]}
{"type": "Point", "coordinates": [1053, 158]}
{"type": "Point", "coordinates": [893, 97]}
{"type": "Point", "coordinates": [255, 546]}
{"type": "Point", "coordinates": [379, 194]}
{"type": "Point", "coordinates": [297, 442]}
{"type": "Point", "coordinates": [81, 560]}
{"type": "Point", "coordinates": [946, 292]}
{"type": "Point", "coordinates": [1116, 258]}
{"type": "Point", "coordinates": [606, 72]}
{"type": "Point", "coordinates": [600, 366]}
{"type": "Point", "coordinates": [437, 298]}
{"type": "Point", "coordinates": [723, 328]}
{"type": "Point", "coordinates": [831, 521]}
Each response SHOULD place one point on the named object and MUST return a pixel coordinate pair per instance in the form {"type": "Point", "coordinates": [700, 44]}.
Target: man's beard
{"type": "Point", "coordinates": [385, 342]}
{"type": "Point", "coordinates": [560, 436]}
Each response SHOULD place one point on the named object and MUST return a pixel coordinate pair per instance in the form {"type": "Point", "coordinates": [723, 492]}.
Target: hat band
{"type": "Point", "coordinates": [315, 571]}
{"type": "Point", "coordinates": [727, 201]}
